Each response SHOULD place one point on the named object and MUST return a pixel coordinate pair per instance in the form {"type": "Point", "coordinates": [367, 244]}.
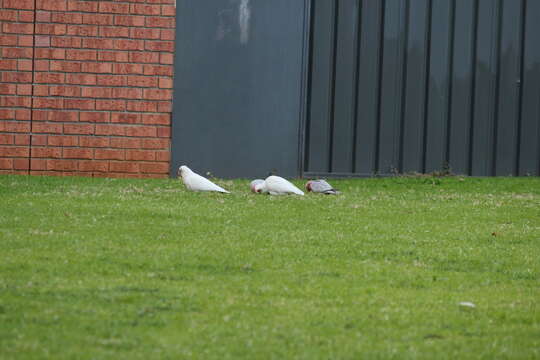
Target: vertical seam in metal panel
{"type": "Point", "coordinates": [426, 84]}
{"type": "Point", "coordinates": [520, 95]}
{"type": "Point", "coordinates": [333, 84]}
{"type": "Point", "coordinates": [403, 85]}
{"type": "Point", "coordinates": [496, 94]}
{"type": "Point", "coordinates": [473, 85]}
{"type": "Point", "coordinates": [356, 82]}
{"type": "Point", "coordinates": [307, 77]}
{"type": "Point", "coordinates": [375, 165]}
{"type": "Point", "coordinates": [450, 81]}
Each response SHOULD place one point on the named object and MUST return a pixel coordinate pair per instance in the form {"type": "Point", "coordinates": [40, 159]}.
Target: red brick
{"type": "Point", "coordinates": [163, 70]}
{"type": "Point", "coordinates": [83, 79]}
{"type": "Point", "coordinates": [8, 40]}
{"type": "Point", "coordinates": [41, 65]}
{"type": "Point", "coordinates": [66, 42]}
{"type": "Point", "coordinates": [101, 166]}
{"type": "Point", "coordinates": [38, 164]}
{"type": "Point", "coordinates": [7, 114]}
{"type": "Point", "coordinates": [83, 129]}
{"type": "Point", "coordinates": [42, 41]}
{"type": "Point", "coordinates": [114, 31]}
{"type": "Point", "coordinates": [164, 132]}
{"type": "Point", "coordinates": [94, 116]}
{"type": "Point", "coordinates": [98, 43]}
{"type": "Point", "coordinates": [115, 130]}
{"type": "Point", "coordinates": [142, 81]}
{"type": "Point", "coordinates": [167, 35]}
{"type": "Point", "coordinates": [17, 53]}
{"type": "Point", "coordinates": [43, 16]}
{"type": "Point", "coordinates": [163, 155]}
{"type": "Point", "coordinates": [78, 153]}
{"type": "Point", "coordinates": [19, 4]}
{"type": "Point", "coordinates": [141, 33]}
{"type": "Point", "coordinates": [126, 93]}
{"type": "Point", "coordinates": [126, 143]}
{"type": "Point", "coordinates": [156, 167]}
{"type": "Point", "coordinates": [123, 44]}
{"type": "Point", "coordinates": [21, 164]}
{"type": "Point", "coordinates": [97, 19]}
{"type": "Point", "coordinates": [83, 30]}
{"type": "Point", "coordinates": [17, 28]}
{"type": "Point", "coordinates": [55, 5]}
{"type": "Point", "coordinates": [48, 78]}
{"type": "Point", "coordinates": [8, 89]}
{"type": "Point", "coordinates": [24, 65]}
{"type": "Point", "coordinates": [165, 83]}
{"type": "Point", "coordinates": [39, 140]}
{"type": "Point", "coordinates": [8, 15]}
{"type": "Point", "coordinates": [62, 165]}
{"type": "Point", "coordinates": [109, 154]}
{"type": "Point", "coordinates": [126, 118]}
{"type": "Point", "coordinates": [6, 163]}
{"type": "Point", "coordinates": [164, 106]}
{"type": "Point", "coordinates": [81, 54]}
{"type": "Point", "coordinates": [15, 126]}
{"type": "Point", "coordinates": [8, 64]}
{"type": "Point", "coordinates": [157, 94]}
{"type": "Point", "coordinates": [96, 67]}
{"type": "Point", "coordinates": [65, 91]}
{"type": "Point", "coordinates": [66, 18]}
{"type": "Point", "coordinates": [22, 114]}
{"type": "Point", "coordinates": [15, 101]}
{"type": "Point", "coordinates": [116, 56]}
{"type": "Point", "coordinates": [7, 139]}
{"type": "Point", "coordinates": [51, 29]}
{"type": "Point", "coordinates": [22, 139]}
{"type": "Point", "coordinates": [142, 9]}
{"type": "Point", "coordinates": [62, 115]}
{"type": "Point", "coordinates": [144, 57]}
{"type": "Point", "coordinates": [108, 7]}
{"type": "Point", "coordinates": [124, 166]}
{"type": "Point", "coordinates": [168, 10]}
{"type": "Point", "coordinates": [47, 152]}
{"type": "Point", "coordinates": [14, 151]}
{"type": "Point", "coordinates": [82, 104]}
{"type": "Point", "coordinates": [57, 54]}
{"type": "Point", "coordinates": [160, 22]}
{"type": "Point", "coordinates": [156, 119]}
{"type": "Point", "coordinates": [142, 106]}
{"type": "Point", "coordinates": [141, 131]}
{"type": "Point", "coordinates": [26, 16]}
{"type": "Point", "coordinates": [112, 80]}
{"type": "Point", "coordinates": [24, 89]}
{"type": "Point", "coordinates": [129, 20]}
{"type": "Point", "coordinates": [159, 45]}
{"type": "Point", "coordinates": [117, 105]}
{"type": "Point", "coordinates": [144, 155]}
{"type": "Point", "coordinates": [127, 69]}
{"type": "Point", "coordinates": [94, 141]}
{"type": "Point", "coordinates": [97, 92]}
{"type": "Point", "coordinates": [40, 115]}
{"type": "Point", "coordinates": [85, 6]}
{"type": "Point", "coordinates": [63, 140]}
{"type": "Point", "coordinates": [25, 40]}
{"type": "Point", "coordinates": [161, 1]}
{"type": "Point", "coordinates": [65, 66]}
{"type": "Point", "coordinates": [19, 77]}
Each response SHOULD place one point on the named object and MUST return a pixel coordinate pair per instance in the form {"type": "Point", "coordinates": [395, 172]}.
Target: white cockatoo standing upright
{"type": "Point", "coordinates": [321, 186]}
{"type": "Point", "coordinates": [196, 182]}
{"type": "Point", "coordinates": [254, 184]}
{"type": "Point", "coordinates": [276, 185]}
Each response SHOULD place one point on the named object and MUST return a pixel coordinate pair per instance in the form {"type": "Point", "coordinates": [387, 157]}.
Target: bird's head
{"type": "Point", "coordinates": [182, 170]}
{"type": "Point", "coordinates": [308, 186]}
{"type": "Point", "coordinates": [254, 183]}
{"type": "Point", "coordinates": [258, 187]}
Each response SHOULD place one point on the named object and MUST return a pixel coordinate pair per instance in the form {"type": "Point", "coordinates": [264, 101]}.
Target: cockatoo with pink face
{"type": "Point", "coordinates": [321, 186]}
{"type": "Point", "coordinates": [254, 183]}
{"type": "Point", "coordinates": [196, 182]}
{"type": "Point", "coordinates": [276, 185]}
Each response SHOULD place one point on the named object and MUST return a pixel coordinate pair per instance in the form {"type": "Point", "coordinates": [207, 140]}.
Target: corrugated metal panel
{"type": "Point", "coordinates": [423, 85]}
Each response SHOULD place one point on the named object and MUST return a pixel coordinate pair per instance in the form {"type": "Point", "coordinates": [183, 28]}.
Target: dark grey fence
{"type": "Point", "coordinates": [423, 85]}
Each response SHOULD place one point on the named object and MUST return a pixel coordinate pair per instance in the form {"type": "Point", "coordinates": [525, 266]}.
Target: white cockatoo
{"type": "Point", "coordinates": [321, 186]}
{"type": "Point", "coordinates": [196, 182]}
{"type": "Point", "coordinates": [254, 183]}
{"type": "Point", "coordinates": [276, 185]}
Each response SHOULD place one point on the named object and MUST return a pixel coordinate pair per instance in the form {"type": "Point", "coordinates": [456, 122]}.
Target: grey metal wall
{"type": "Point", "coordinates": [419, 85]}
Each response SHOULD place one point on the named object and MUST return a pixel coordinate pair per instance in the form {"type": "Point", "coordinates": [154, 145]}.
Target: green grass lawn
{"type": "Point", "coordinates": [143, 269]}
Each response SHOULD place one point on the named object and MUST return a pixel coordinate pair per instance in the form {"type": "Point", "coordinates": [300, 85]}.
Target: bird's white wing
{"type": "Point", "coordinates": [196, 182]}
{"type": "Point", "coordinates": [279, 185]}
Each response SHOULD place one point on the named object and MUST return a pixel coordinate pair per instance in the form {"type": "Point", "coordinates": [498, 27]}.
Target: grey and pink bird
{"type": "Point", "coordinates": [321, 186]}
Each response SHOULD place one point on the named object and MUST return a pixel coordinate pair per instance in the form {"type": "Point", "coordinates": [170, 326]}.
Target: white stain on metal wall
{"type": "Point", "coordinates": [244, 14]}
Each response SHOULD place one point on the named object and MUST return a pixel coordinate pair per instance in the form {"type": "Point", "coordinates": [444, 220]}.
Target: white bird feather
{"type": "Point", "coordinates": [276, 185]}
{"type": "Point", "coordinates": [196, 182]}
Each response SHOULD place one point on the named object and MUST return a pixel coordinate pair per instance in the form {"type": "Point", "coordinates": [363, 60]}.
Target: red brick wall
{"type": "Point", "coordinates": [86, 87]}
